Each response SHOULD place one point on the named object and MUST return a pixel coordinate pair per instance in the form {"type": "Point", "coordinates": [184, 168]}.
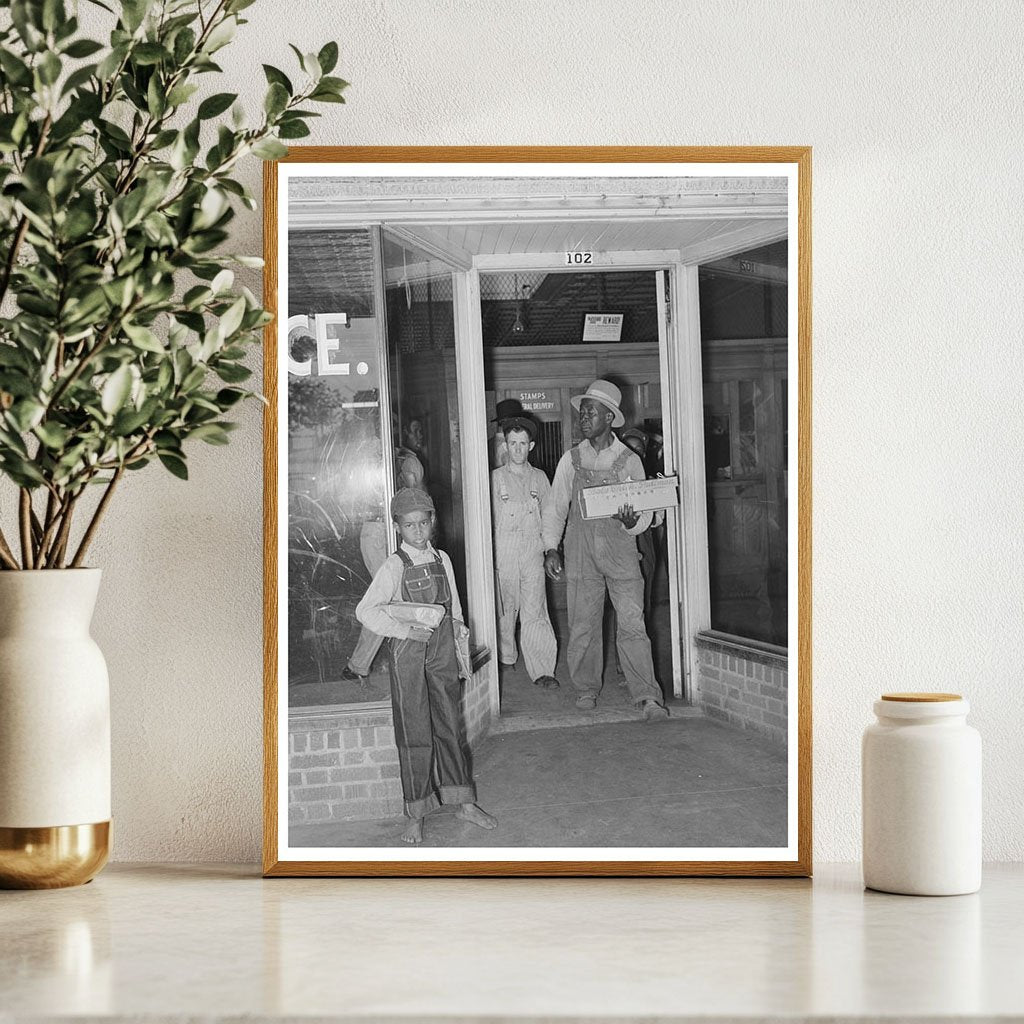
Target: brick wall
{"type": "Point", "coordinates": [476, 708]}
{"type": "Point", "coordinates": [343, 763]}
{"type": "Point", "coordinates": [743, 686]}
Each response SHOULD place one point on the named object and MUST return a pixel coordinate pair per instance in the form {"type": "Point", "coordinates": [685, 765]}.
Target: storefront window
{"type": "Point", "coordinates": [335, 460]}
{"type": "Point", "coordinates": [744, 355]}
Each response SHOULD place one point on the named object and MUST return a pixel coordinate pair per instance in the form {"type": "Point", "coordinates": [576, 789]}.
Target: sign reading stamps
{"type": "Point", "coordinates": [541, 401]}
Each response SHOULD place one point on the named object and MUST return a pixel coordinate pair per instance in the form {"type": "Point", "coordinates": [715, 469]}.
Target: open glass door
{"type": "Point", "coordinates": [680, 688]}
{"type": "Point", "coordinates": [427, 415]}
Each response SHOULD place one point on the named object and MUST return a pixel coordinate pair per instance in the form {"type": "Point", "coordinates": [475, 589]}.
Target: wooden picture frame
{"type": "Point", "coordinates": [384, 237]}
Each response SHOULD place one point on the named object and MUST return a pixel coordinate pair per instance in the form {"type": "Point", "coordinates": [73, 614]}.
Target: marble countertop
{"type": "Point", "coordinates": [174, 942]}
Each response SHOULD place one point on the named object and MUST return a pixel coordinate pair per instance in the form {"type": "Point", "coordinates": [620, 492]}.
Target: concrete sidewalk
{"type": "Point", "coordinates": [684, 782]}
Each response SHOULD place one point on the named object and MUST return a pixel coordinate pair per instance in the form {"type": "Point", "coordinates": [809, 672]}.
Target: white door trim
{"type": "Point", "coordinates": [695, 609]}
{"type": "Point", "coordinates": [669, 390]}
{"type": "Point", "coordinates": [476, 473]}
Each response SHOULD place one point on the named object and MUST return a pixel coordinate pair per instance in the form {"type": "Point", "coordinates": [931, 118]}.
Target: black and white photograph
{"type": "Point", "coordinates": [535, 539]}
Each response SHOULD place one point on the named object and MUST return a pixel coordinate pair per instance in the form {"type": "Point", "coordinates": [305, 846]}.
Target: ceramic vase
{"type": "Point", "coordinates": [54, 731]}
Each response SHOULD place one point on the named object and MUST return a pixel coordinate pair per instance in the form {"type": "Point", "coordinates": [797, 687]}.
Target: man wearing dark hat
{"type": "Point", "coordinates": [601, 555]}
{"type": "Point", "coordinates": [506, 409]}
{"type": "Point", "coordinates": [518, 494]}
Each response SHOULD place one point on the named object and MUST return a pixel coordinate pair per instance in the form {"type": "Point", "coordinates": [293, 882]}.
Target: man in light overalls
{"type": "Point", "coordinates": [600, 555]}
{"type": "Point", "coordinates": [518, 494]}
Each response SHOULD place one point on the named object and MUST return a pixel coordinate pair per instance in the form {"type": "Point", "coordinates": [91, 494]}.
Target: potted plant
{"type": "Point", "coordinates": [122, 339]}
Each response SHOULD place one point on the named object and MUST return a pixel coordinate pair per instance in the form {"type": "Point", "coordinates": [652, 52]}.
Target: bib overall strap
{"type": "Point", "coordinates": [420, 582]}
{"type": "Point", "coordinates": [442, 593]}
{"type": "Point", "coordinates": [620, 463]}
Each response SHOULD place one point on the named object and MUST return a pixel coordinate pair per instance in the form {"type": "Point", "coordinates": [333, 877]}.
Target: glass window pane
{"type": "Point", "coordinates": [425, 407]}
{"type": "Point", "coordinates": [335, 473]}
{"type": "Point", "coordinates": [743, 349]}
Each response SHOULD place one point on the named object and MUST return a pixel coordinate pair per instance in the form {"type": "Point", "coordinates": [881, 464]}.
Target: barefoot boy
{"type": "Point", "coordinates": [425, 686]}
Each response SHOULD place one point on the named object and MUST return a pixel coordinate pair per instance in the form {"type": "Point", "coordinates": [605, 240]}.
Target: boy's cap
{"type": "Point", "coordinates": [520, 423]}
{"type": "Point", "coordinates": [410, 499]}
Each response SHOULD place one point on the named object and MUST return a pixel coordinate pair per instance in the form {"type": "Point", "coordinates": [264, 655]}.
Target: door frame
{"type": "Point", "coordinates": [678, 436]}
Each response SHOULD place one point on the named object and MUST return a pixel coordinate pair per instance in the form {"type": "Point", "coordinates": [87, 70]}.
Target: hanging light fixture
{"type": "Point", "coordinates": [519, 327]}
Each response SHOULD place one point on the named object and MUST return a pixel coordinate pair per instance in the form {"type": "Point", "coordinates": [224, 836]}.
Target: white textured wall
{"type": "Point", "coordinates": [914, 113]}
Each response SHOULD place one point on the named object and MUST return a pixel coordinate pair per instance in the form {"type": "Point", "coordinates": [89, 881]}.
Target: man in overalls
{"type": "Point", "coordinates": [426, 694]}
{"type": "Point", "coordinates": [600, 555]}
{"type": "Point", "coordinates": [518, 494]}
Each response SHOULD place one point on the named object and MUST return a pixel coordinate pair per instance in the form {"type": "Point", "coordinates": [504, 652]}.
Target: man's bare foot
{"type": "Point", "coordinates": [414, 833]}
{"type": "Point", "coordinates": [476, 815]}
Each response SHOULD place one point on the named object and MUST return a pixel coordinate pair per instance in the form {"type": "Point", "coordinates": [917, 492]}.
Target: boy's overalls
{"type": "Point", "coordinates": [425, 698]}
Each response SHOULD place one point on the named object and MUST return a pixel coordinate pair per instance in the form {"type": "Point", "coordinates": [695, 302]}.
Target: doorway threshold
{"type": "Point", "coordinates": [528, 721]}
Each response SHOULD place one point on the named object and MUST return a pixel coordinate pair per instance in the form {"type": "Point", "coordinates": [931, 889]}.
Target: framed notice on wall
{"type": "Point", "coordinates": [437, 697]}
{"type": "Point", "coordinates": [602, 326]}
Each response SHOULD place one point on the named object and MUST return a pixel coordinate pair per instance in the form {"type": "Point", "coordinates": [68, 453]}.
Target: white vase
{"type": "Point", "coordinates": [54, 731]}
{"type": "Point", "coordinates": [921, 773]}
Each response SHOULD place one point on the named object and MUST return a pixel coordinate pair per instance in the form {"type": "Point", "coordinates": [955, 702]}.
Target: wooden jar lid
{"type": "Point", "coordinates": [921, 698]}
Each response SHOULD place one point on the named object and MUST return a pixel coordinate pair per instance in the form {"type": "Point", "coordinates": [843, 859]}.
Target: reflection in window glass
{"type": "Point", "coordinates": [743, 304]}
{"type": "Point", "coordinates": [336, 533]}
{"type": "Point", "coordinates": [425, 409]}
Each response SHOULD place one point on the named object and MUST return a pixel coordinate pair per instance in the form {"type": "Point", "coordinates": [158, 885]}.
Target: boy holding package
{"type": "Point", "coordinates": [413, 601]}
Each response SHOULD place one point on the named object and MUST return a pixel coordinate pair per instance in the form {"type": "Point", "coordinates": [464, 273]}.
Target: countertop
{"type": "Point", "coordinates": [175, 942]}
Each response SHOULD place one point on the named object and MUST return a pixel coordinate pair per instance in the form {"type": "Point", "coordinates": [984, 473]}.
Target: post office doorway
{"type": "Point", "coordinates": [545, 336]}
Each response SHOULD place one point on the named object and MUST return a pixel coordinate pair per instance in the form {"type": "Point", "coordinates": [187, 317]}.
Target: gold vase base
{"type": "Point", "coordinates": [54, 857]}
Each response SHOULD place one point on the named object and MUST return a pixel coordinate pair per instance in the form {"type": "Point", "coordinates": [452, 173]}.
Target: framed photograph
{"type": "Point", "coordinates": [464, 674]}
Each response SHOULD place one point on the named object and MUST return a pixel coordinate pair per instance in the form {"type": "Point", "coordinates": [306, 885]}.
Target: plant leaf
{"type": "Point", "coordinates": [148, 53]}
{"type": "Point", "coordinates": [232, 319]}
{"type": "Point", "coordinates": [221, 35]}
{"type": "Point", "coordinates": [211, 433]}
{"type": "Point", "coordinates": [279, 77]}
{"type": "Point", "coordinates": [293, 130]}
{"type": "Point", "coordinates": [216, 104]}
{"type": "Point", "coordinates": [276, 99]}
{"type": "Point", "coordinates": [181, 94]}
{"type": "Point", "coordinates": [144, 338]}
{"type": "Point", "coordinates": [175, 464]}
{"type": "Point", "coordinates": [269, 149]}
{"type": "Point", "coordinates": [83, 48]}
{"type": "Point", "coordinates": [328, 57]}
{"type": "Point", "coordinates": [116, 390]}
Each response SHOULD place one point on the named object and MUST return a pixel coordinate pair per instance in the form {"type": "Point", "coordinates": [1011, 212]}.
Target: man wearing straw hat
{"type": "Point", "coordinates": [601, 555]}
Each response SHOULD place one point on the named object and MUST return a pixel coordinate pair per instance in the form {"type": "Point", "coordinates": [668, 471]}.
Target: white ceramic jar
{"type": "Point", "coordinates": [921, 777]}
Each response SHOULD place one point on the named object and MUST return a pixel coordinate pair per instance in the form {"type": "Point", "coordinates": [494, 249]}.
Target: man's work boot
{"type": "Point", "coordinates": [653, 711]}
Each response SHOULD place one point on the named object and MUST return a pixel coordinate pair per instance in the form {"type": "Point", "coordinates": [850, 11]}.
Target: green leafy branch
{"type": "Point", "coordinates": [125, 335]}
